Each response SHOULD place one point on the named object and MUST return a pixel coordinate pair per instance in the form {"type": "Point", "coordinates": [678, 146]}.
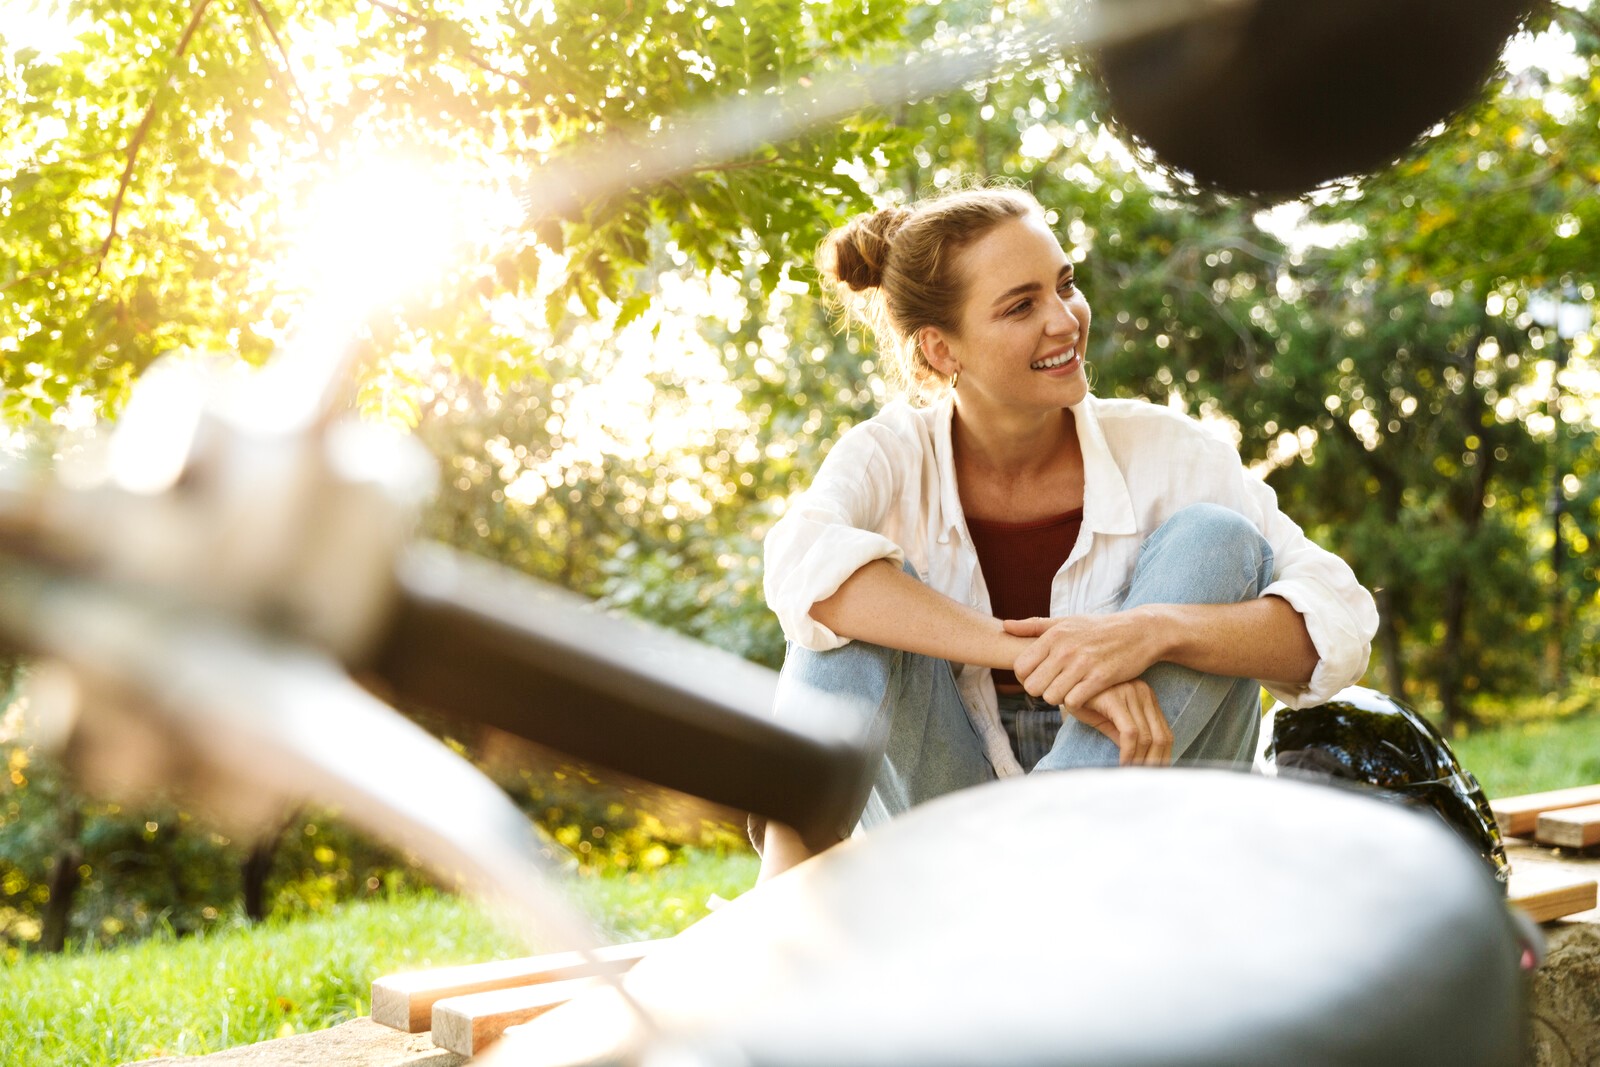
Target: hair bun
{"type": "Point", "coordinates": [860, 249]}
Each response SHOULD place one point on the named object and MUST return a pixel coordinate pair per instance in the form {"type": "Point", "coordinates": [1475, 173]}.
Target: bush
{"type": "Point", "coordinates": [130, 872]}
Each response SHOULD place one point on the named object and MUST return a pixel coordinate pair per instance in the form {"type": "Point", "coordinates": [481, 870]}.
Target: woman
{"type": "Point", "coordinates": [1021, 575]}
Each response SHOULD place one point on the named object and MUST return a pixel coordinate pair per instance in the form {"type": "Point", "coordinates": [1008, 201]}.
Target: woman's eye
{"type": "Point", "coordinates": [1067, 287]}
{"type": "Point", "coordinates": [1022, 308]}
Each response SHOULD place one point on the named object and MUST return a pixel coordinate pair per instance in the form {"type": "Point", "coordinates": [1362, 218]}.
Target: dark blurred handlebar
{"type": "Point", "coordinates": [478, 642]}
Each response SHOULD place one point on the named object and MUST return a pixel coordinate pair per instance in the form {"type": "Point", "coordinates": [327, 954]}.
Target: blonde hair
{"type": "Point", "coordinates": [895, 269]}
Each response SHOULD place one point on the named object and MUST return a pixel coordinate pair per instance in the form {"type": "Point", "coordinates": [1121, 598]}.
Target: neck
{"type": "Point", "coordinates": [1014, 443]}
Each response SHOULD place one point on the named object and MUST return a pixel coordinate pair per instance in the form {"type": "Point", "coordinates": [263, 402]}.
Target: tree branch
{"type": "Point", "coordinates": [297, 93]}
{"type": "Point", "coordinates": [1574, 17]}
{"type": "Point", "coordinates": [738, 164]}
{"type": "Point", "coordinates": [466, 53]}
{"type": "Point", "coordinates": [44, 272]}
{"type": "Point", "coordinates": [139, 135]}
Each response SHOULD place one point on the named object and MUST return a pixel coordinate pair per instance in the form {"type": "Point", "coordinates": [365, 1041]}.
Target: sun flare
{"type": "Point", "coordinates": [389, 228]}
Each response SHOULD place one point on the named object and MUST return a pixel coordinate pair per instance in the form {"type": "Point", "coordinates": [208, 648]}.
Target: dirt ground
{"type": "Point", "coordinates": [357, 1043]}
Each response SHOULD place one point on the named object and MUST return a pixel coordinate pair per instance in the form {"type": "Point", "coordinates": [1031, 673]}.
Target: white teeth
{"type": "Point", "coordinates": [1054, 361]}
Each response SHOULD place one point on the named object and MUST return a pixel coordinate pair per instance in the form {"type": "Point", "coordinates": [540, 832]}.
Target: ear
{"type": "Point", "coordinates": [935, 345]}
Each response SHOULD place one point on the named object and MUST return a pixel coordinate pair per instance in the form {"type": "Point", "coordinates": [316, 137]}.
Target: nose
{"type": "Point", "coordinates": [1063, 321]}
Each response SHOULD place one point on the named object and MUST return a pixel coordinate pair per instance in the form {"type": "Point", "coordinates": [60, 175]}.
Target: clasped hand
{"type": "Point", "coordinates": [1090, 665]}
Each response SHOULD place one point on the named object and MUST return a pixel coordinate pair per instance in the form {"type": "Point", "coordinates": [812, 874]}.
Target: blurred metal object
{"type": "Point", "coordinates": [174, 702]}
{"type": "Point", "coordinates": [204, 586]}
{"type": "Point", "coordinates": [473, 640]}
{"type": "Point", "coordinates": [1272, 98]}
{"type": "Point", "coordinates": [206, 495]}
{"type": "Point", "coordinates": [738, 125]}
{"type": "Point", "coordinates": [1267, 98]}
{"type": "Point", "coordinates": [1117, 918]}
{"type": "Point", "coordinates": [198, 592]}
{"type": "Point", "coordinates": [203, 591]}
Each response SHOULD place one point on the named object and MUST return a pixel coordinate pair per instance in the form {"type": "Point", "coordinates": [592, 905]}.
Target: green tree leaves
{"type": "Point", "coordinates": [1391, 376]}
{"type": "Point", "coordinates": [151, 171]}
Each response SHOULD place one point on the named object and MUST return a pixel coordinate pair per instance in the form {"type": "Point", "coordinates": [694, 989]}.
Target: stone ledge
{"type": "Point", "coordinates": [357, 1043]}
{"type": "Point", "coordinates": [1565, 1000]}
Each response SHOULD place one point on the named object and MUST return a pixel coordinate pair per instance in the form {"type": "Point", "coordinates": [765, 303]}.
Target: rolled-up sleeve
{"type": "Point", "coordinates": [1339, 613]}
{"type": "Point", "coordinates": [827, 534]}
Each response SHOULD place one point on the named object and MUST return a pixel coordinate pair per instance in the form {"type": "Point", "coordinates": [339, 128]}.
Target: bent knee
{"type": "Point", "coordinates": [1214, 525]}
{"type": "Point", "coordinates": [1217, 537]}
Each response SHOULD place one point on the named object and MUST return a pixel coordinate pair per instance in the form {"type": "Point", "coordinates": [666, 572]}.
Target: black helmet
{"type": "Point", "coordinates": [1368, 737]}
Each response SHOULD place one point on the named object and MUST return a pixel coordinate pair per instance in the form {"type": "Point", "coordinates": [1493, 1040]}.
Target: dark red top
{"type": "Point", "coordinates": [1019, 561]}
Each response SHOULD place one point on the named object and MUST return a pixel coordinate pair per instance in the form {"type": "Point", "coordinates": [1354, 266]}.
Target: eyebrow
{"type": "Point", "coordinates": [1031, 287]}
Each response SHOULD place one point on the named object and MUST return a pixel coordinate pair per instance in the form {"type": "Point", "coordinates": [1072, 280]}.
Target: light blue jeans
{"type": "Point", "coordinates": [1204, 554]}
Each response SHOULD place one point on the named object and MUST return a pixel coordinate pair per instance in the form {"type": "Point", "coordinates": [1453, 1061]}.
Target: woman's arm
{"type": "Point", "coordinates": [1265, 639]}
{"type": "Point", "coordinates": [1305, 638]}
{"type": "Point", "coordinates": [1336, 614]}
{"type": "Point", "coordinates": [883, 605]}
{"type": "Point", "coordinates": [1075, 657]}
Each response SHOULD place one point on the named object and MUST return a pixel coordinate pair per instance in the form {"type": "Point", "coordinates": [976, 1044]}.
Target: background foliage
{"type": "Point", "coordinates": [623, 394]}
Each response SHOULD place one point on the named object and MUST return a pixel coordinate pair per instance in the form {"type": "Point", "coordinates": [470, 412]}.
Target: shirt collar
{"type": "Point", "coordinates": [944, 454]}
{"type": "Point", "coordinates": [1107, 505]}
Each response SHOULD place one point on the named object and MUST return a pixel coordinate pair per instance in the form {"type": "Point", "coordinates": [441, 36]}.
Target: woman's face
{"type": "Point", "coordinates": [1025, 325]}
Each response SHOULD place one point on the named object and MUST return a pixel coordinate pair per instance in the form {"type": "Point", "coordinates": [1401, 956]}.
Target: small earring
{"type": "Point", "coordinates": [954, 378]}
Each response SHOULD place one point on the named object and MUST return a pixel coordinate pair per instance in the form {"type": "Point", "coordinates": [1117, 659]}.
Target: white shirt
{"type": "Point", "coordinates": [888, 490]}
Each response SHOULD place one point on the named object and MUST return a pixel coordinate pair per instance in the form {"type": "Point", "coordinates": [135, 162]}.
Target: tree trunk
{"type": "Point", "coordinates": [1455, 599]}
{"type": "Point", "coordinates": [257, 868]}
{"type": "Point", "coordinates": [1390, 578]}
{"type": "Point", "coordinates": [253, 874]}
{"type": "Point", "coordinates": [981, 135]}
{"type": "Point", "coordinates": [65, 880]}
{"type": "Point", "coordinates": [1555, 674]}
{"type": "Point", "coordinates": [1394, 670]}
{"type": "Point", "coordinates": [911, 179]}
{"type": "Point", "coordinates": [1391, 498]}
{"type": "Point", "coordinates": [1455, 596]}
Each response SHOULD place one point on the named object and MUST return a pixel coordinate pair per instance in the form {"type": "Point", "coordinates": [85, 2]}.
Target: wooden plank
{"type": "Point", "coordinates": [467, 1025]}
{"type": "Point", "coordinates": [1569, 827]}
{"type": "Point", "coordinates": [1519, 816]}
{"type": "Point", "coordinates": [405, 1001]}
{"type": "Point", "coordinates": [1545, 898]}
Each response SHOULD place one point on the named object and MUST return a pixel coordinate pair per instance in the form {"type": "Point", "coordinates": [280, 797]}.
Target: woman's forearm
{"type": "Point", "coordinates": [1265, 639]}
{"type": "Point", "coordinates": [880, 603]}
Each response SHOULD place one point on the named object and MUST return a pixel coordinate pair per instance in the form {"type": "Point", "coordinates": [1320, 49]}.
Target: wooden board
{"type": "Point", "coordinates": [469, 1024]}
{"type": "Point", "coordinates": [1519, 816]}
{"type": "Point", "coordinates": [1570, 827]}
{"type": "Point", "coordinates": [1546, 897]}
{"type": "Point", "coordinates": [405, 1001]}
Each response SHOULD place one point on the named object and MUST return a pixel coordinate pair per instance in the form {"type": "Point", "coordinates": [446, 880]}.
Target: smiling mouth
{"type": "Point", "coordinates": [1055, 361]}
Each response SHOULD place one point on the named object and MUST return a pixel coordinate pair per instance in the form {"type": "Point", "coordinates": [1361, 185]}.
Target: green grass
{"type": "Point", "coordinates": [169, 996]}
{"type": "Point", "coordinates": [188, 996]}
{"type": "Point", "coordinates": [1531, 757]}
